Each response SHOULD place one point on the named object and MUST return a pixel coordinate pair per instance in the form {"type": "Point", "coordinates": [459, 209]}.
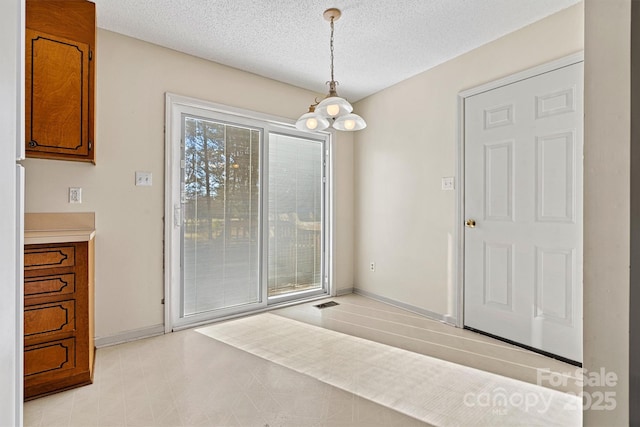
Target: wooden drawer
{"type": "Point", "coordinates": [48, 286]}
{"type": "Point", "coordinates": [50, 357]}
{"type": "Point", "coordinates": [39, 258]}
{"type": "Point", "coordinates": [46, 319]}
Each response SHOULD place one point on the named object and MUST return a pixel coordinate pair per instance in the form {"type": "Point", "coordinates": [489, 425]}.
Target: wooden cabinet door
{"type": "Point", "coordinates": [57, 96]}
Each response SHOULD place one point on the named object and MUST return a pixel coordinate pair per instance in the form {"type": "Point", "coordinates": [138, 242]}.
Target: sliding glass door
{"type": "Point", "coordinates": [296, 216]}
{"type": "Point", "coordinates": [221, 229]}
{"type": "Point", "coordinates": [246, 199]}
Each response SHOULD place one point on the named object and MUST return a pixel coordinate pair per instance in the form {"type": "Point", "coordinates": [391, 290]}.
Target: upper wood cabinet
{"type": "Point", "coordinates": [60, 79]}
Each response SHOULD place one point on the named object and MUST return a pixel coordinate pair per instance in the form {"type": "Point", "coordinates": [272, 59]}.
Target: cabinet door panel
{"type": "Point", "coordinates": [57, 94]}
{"type": "Point", "coordinates": [48, 286]}
{"type": "Point", "coordinates": [49, 357]}
{"type": "Point", "coordinates": [47, 319]}
{"type": "Point", "coordinates": [39, 258]}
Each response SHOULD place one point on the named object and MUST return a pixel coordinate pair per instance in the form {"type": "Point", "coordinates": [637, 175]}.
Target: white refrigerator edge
{"type": "Point", "coordinates": [12, 212]}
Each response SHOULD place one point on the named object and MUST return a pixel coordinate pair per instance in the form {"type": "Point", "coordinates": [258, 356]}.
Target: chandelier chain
{"type": "Point", "coordinates": [331, 44]}
{"type": "Point", "coordinates": [333, 110]}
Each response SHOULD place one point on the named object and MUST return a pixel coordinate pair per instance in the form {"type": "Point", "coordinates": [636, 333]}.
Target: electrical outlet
{"type": "Point", "coordinates": [75, 195]}
{"type": "Point", "coordinates": [448, 183]}
{"type": "Point", "coordinates": [144, 179]}
{"type": "Point", "coordinates": [372, 266]}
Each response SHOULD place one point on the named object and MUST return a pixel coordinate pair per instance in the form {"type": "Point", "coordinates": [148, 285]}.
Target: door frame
{"type": "Point", "coordinates": [173, 101]}
{"type": "Point", "coordinates": [459, 262]}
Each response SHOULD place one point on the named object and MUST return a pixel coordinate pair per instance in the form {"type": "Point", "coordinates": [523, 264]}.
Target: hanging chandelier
{"type": "Point", "coordinates": [332, 110]}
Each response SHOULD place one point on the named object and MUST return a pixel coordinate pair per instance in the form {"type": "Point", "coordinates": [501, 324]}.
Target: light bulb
{"type": "Point", "coordinates": [333, 109]}
{"type": "Point", "coordinates": [349, 124]}
{"type": "Point", "coordinates": [312, 123]}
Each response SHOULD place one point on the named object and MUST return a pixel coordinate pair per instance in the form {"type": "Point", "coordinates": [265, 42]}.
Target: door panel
{"type": "Point", "coordinates": [554, 284]}
{"type": "Point", "coordinates": [555, 178]}
{"type": "Point", "coordinates": [523, 188]}
{"type": "Point", "coordinates": [498, 191]}
{"type": "Point", "coordinates": [498, 275]}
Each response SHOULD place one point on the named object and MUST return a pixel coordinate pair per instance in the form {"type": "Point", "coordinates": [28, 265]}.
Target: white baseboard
{"type": "Point", "coordinates": [421, 311]}
{"type": "Point", "coordinates": [345, 291]}
{"type": "Point", "coordinates": [127, 336]}
{"type": "Point", "coordinates": [450, 320]}
{"type": "Point", "coordinates": [156, 330]}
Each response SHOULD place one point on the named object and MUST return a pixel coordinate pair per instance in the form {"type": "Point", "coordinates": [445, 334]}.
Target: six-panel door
{"type": "Point", "coordinates": [523, 188]}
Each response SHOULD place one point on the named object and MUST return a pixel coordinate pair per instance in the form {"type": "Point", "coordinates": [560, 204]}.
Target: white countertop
{"type": "Point", "coordinates": [42, 228]}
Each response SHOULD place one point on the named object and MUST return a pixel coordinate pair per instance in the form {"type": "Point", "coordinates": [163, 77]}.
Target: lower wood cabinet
{"type": "Point", "coordinates": [58, 317]}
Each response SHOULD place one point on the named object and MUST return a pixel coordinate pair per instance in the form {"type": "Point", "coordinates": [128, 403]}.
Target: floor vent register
{"type": "Point", "coordinates": [326, 304]}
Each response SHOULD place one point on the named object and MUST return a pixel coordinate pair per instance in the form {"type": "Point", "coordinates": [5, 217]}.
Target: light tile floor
{"type": "Point", "coordinates": [376, 321]}
{"type": "Point", "coordinates": [188, 379]}
{"type": "Point", "coordinates": [435, 391]}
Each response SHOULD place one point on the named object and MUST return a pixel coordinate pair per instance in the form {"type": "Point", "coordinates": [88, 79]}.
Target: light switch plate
{"type": "Point", "coordinates": [448, 183]}
{"type": "Point", "coordinates": [144, 179]}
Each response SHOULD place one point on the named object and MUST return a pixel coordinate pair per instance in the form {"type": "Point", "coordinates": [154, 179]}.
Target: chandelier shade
{"type": "Point", "coordinates": [312, 121]}
{"type": "Point", "coordinates": [349, 122]}
{"type": "Point", "coordinates": [334, 106]}
{"type": "Point", "coordinates": [332, 110]}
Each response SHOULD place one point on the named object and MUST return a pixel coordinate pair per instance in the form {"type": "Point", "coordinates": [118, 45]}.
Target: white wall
{"type": "Point", "coordinates": [10, 303]}
{"type": "Point", "coordinates": [405, 222]}
{"type": "Point", "coordinates": [606, 201]}
{"type": "Point", "coordinates": [132, 78]}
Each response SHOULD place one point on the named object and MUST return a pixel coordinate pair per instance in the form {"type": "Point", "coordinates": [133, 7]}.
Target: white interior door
{"type": "Point", "coordinates": [523, 189]}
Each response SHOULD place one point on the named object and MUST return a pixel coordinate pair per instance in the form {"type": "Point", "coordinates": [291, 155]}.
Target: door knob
{"type": "Point", "coordinates": [471, 223]}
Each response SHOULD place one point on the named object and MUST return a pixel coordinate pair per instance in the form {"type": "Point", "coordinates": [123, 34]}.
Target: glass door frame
{"type": "Point", "coordinates": [176, 106]}
{"type": "Point", "coordinates": [325, 221]}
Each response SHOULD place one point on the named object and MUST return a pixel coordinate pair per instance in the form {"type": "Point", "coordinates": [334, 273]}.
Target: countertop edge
{"type": "Point", "coordinates": [61, 236]}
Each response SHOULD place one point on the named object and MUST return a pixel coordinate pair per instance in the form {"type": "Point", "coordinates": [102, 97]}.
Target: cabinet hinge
{"type": "Point", "coordinates": [90, 145]}
{"type": "Point", "coordinates": [90, 54]}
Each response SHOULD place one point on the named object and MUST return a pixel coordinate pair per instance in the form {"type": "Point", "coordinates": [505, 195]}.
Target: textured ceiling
{"type": "Point", "coordinates": [377, 43]}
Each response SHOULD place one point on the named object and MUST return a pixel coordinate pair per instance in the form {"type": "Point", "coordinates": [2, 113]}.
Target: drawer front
{"type": "Point", "coordinates": [49, 318]}
{"type": "Point", "coordinates": [39, 258]}
{"type": "Point", "coordinates": [50, 357]}
{"type": "Point", "coordinates": [44, 286]}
